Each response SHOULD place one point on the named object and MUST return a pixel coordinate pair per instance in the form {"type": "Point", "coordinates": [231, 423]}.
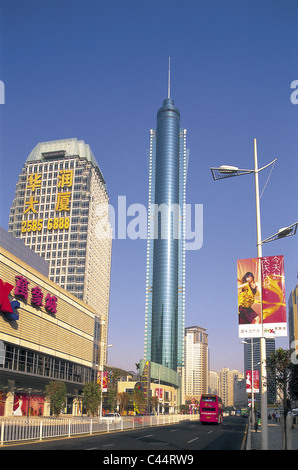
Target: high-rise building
{"type": "Point", "coordinates": [227, 378]}
{"type": "Point", "coordinates": [196, 362]}
{"type": "Point", "coordinates": [252, 356]}
{"type": "Point", "coordinates": [293, 320]}
{"type": "Point", "coordinates": [165, 276]}
{"type": "Point", "coordinates": [60, 204]}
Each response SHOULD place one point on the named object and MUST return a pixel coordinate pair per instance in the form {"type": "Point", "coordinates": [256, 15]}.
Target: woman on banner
{"type": "Point", "coordinates": [246, 298]}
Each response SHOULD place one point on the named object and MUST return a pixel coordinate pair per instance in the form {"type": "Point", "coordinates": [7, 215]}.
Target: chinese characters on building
{"type": "Point", "coordinates": [62, 204]}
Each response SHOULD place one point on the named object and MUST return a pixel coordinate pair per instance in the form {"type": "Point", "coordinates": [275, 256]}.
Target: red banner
{"type": "Point", "coordinates": [255, 382]}
{"type": "Point", "coordinates": [274, 296]}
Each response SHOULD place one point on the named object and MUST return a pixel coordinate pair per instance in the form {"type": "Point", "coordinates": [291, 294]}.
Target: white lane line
{"type": "Point", "coordinates": [173, 430]}
{"type": "Point", "coordinates": [192, 440]}
{"type": "Point", "coordinates": [148, 435]}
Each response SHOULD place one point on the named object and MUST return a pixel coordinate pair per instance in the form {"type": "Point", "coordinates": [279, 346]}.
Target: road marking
{"type": "Point", "coordinates": [209, 432]}
{"type": "Point", "coordinates": [93, 448]}
{"type": "Point", "coordinates": [149, 435]}
{"type": "Point", "coordinates": [107, 445]}
{"type": "Point", "coordinates": [173, 430]}
{"type": "Point", "coordinates": [192, 440]}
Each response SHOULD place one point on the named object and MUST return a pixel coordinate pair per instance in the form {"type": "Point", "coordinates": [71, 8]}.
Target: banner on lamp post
{"type": "Point", "coordinates": [249, 298]}
{"type": "Point", "coordinates": [274, 296]}
{"type": "Point", "coordinates": [104, 382]}
{"type": "Point", "coordinates": [261, 296]}
{"type": "Point", "coordinates": [252, 381]}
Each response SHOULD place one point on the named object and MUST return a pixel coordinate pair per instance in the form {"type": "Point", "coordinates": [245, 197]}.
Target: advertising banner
{"type": "Point", "coordinates": [104, 380]}
{"type": "Point", "coordinates": [249, 298]}
{"type": "Point", "coordinates": [274, 296]}
{"type": "Point", "coordinates": [255, 382]}
{"type": "Point", "coordinates": [270, 290]}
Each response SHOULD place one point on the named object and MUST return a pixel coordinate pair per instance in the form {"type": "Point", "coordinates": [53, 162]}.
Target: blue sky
{"type": "Point", "coordinates": [97, 70]}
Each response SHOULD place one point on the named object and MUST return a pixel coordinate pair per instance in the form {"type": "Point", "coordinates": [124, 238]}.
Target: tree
{"type": "Point", "coordinates": [56, 391]}
{"type": "Point", "coordinates": [92, 398]}
{"type": "Point", "coordinates": [123, 400]}
{"type": "Point", "coordinates": [279, 366]}
{"type": "Point", "coordinates": [139, 401]}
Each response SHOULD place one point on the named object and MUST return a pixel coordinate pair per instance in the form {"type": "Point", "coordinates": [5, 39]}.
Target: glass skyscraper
{"type": "Point", "coordinates": [165, 275]}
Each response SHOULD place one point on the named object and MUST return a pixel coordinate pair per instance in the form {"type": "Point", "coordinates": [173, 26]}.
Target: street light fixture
{"type": "Point", "coordinates": [226, 171]}
{"type": "Point", "coordinates": [282, 233]}
{"type": "Point", "coordinates": [101, 374]}
{"type": "Point", "coordinates": [252, 380]}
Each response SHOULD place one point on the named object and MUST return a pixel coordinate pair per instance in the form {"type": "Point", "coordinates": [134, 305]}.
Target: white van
{"type": "Point", "coordinates": [112, 417]}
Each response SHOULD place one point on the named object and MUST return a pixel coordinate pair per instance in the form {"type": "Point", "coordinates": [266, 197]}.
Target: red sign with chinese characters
{"type": "Point", "coordinates": [21, 290]}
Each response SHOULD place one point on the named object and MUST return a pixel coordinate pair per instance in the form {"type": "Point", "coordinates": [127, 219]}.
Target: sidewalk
{"type": "Point", "coordinates": [274, 438]}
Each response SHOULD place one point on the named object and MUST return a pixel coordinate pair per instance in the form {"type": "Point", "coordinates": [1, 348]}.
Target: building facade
{"type": "Point", "coordinates": [60, 211]}
{"type": "Point", "coordinates": [165, 274]}
{"type": "Point", "coordinates": [46, 334]}
{"type": "Point", "coordinates": [252, 355]}
{"type": "Point", "coordinates": [196, 362]}
{"type": "Point", "coordinates": [227, 379]}
{"type": "Point", "coordinates": [293, 320]}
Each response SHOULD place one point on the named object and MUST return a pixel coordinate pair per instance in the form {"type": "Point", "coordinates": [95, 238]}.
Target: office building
{"type": "Point", "coordinates": [227, 379]}
{"type": "Point", "coordinates": [165, 275]}
{"type": "Point", "coordinates": [213, 384]}
{"type": "Point", "coordinates": [293, 320]}
{"type": "Point", "coordinates": [60, 207]}
{"type": "Point", "coordinates": [252, 355]}
{"type": "Point", "coordinates": [196, 362]}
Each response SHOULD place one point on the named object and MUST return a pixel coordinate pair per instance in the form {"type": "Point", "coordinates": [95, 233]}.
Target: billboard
{"type": "Point", "coordinates": [261, 296]}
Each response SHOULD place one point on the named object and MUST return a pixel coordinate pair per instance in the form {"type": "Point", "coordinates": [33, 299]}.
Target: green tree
{"type": "Point", "coordinates": [56, 392]}
{"type": "Point", "coordinates": [123, 400]}
{"type": "Point", "coordinates": [92, 398]}
{"type": "Point", "coordinates": [139, 400]}
{"type": "Point", "coordinates": [280, 368]}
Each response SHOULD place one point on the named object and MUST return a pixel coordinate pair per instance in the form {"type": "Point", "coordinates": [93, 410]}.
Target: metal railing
{"type": "Point", "coordinates": [28, 429]}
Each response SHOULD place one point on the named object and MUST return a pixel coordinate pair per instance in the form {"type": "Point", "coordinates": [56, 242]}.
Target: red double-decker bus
{"type": "Point", "coordinates": [211, 409]}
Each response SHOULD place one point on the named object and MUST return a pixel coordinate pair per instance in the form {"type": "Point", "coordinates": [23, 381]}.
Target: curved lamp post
{"type": "Point", "coordinates": [227, 171]}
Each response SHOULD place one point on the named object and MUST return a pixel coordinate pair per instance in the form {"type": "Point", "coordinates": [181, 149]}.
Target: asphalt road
{"type": "Point", "coordinates": [186, 436]}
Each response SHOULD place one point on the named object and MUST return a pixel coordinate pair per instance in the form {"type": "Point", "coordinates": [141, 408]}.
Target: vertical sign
{"type": "Point", "coordinates": [249, 298]}
{"type": "Point", "coordinates": [273, 296]}
{"type": "Point", "coordinates": [252, 381]}
{"type": "Point", "coordinates": [270, 288]}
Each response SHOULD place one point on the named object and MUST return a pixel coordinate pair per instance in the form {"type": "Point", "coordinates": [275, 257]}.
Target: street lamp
{"type": "Point", "coordinates": [282, 233]}
{"type": "Point", "coordinates": [252, 380]}
{"type": "Point", "coordinates": [226, 171]}
{"type": "Point", "coordinates": [101, 373]}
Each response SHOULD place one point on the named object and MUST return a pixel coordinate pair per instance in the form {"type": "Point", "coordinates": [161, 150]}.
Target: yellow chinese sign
{"type": "Point", "coordinates": [34, 181]}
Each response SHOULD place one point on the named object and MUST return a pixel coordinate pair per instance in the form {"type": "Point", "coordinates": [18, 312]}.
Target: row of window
{"type": "Point", "coordinates": [31, 362]}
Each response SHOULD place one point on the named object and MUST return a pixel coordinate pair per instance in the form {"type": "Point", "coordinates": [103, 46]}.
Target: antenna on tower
{"type": "Point", "coordinates": [169, 79]}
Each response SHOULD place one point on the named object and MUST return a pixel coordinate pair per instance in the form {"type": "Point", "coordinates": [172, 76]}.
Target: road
{"type": "Point", "coordinates": [185, 436]}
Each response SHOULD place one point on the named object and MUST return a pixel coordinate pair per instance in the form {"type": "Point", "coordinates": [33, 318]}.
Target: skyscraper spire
{"type": "Point", "coordinates": [169, 79]}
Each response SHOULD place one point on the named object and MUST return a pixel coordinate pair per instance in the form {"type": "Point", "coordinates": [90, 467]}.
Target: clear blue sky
{"type": "Point", "coordinates": [97, 70]}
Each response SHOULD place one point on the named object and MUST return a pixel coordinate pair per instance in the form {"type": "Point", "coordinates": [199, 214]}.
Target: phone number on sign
{"type": "Point", "coordinates": [36, 225]}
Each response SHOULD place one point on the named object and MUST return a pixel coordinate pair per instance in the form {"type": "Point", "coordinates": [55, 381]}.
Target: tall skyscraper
{"type": "Point", "coordinates": [196, 361]}
{"type": "Point", "coordinates": [165, 276]}
{"type": "Point", "coordinates": [60, 201]}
